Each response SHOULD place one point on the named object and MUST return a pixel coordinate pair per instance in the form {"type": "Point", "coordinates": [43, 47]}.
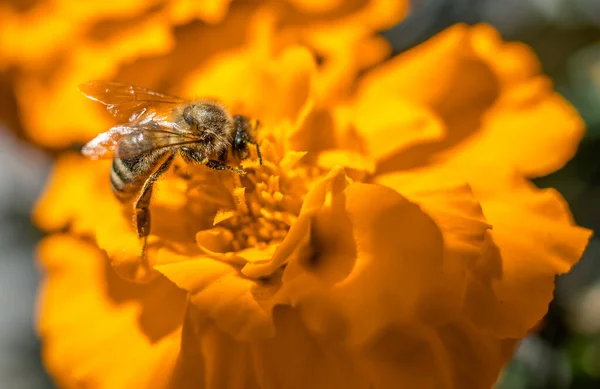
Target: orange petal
{"type": "Point", "coordinates": [462, 82]}
{"type": "Point", "coordinates": [382, 246]}
{"type": "Point", "coordinates": [210, 11]}
{"type": "Point", "coordinates": [536, 137]}
{"type": "Point", "coordinates": [533, 239]}
{"type": "Point", "coordinates": [295, 357]}
{"type": "Point", "coordinates": [390, 125]}
{"type": "Point", "coordinates": [90, 318]}
{"type": "Point", "coordinates": [488, 95]}
{"type": "Point", "coordinates": [239, 306]}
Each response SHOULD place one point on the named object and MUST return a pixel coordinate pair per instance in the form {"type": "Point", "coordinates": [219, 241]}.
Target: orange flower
{"type": "Point", "coordinates": [391, 238]}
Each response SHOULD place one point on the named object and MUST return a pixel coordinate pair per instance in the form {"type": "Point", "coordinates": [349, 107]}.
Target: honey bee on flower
{"type": "Point", "coordinates": [150, 137]}
{"type": "Point", "coordinates": [387, 243]}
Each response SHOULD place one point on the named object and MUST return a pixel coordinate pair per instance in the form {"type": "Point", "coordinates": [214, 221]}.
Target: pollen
{"type": "Point", "coordinates": [257, 209]}
{"type": "Point", "coordinates": [263, 214]}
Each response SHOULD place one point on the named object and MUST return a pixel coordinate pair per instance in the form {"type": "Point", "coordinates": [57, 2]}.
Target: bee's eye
{"type": "Point", "coordinates": [187, 115]}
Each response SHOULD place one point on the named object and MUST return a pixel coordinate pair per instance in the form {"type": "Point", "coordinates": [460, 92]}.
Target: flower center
{"type": "Point", "coordinates": [257, 209]}
{"type": "Point", "coordinates": [266, 206]}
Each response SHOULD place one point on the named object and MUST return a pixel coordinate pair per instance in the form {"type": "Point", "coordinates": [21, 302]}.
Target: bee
{"type": "Point", "coordinates": [154, 128]}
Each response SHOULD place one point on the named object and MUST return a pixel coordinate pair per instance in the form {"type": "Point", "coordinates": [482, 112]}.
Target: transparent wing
{"type": "Point", "coordinates": [129, 141]}
{"type": "Point", "coordinates": [128, 103]}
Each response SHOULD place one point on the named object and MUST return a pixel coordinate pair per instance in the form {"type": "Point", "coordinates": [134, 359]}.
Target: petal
{"type": "Point", "coordinates": [513, 132]}
{"type": "Point", "coordinates": [488, 94]}
{"type": "Point", "coordinates": [295, 240]}
{"type": "Point", "coordinates": [293, 358]}
{"type": "Point", "coordinates": [533, 239]}
{"type": "Point", "coordinates": [462, 80]}
{"type": "Point", "coordinates": [210, 11]}
{"type": "Point", "coordinates": [316, 6]}
{"type": "Point", "coordinates": [460, 91]}
{"type": "Point", "coordinates": [90, 318]}
{"type": "Point", "coordinates": [389, 125]}
{"type": "Point", "coordinates": [239, 306]}
{"type": "Point", "coordinates": [296, 358]}
{"type": "Point", "coordinates": [374, 269]}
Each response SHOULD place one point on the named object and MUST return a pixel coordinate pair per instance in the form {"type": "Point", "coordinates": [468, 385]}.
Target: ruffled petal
{"type": "Point", "coordinates": [348, 281]}
{"type": "Point", "coordinates": [533, 239]}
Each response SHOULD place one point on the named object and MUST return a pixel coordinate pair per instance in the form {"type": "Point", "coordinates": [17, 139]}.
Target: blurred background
{"type": "Point", "coordinates": [565, 353]}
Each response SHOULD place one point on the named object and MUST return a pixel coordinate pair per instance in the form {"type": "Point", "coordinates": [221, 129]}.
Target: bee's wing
{"type": "Point", "coordinates": [141, 138]}
{"type": "Point", "coordinates": [127, 102]}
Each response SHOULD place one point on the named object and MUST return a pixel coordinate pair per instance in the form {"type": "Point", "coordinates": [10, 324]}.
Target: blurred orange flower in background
{"type": "Point", "coordinates": [391, 238]}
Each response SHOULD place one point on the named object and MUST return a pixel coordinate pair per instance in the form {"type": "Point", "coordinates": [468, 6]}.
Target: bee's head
{"type": "Point", "coordinates": [211, 123]}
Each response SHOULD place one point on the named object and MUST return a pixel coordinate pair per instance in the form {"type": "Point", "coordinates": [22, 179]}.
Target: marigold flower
{"type": "Point", "coordinates": [391, 238]}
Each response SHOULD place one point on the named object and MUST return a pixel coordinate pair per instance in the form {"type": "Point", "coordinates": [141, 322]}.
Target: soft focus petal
{"type": "Point", "coordinates": [75, 185]}
{"type": "Point", "coordinates": [223, 75]}
{"type": "Point", "coordinates": [91, 319]}
{"type": "Point", "coordinates": [533, 234]}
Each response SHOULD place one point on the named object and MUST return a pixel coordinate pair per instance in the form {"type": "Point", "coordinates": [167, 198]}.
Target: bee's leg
{"type": "Point", "coordinates": [255, 142]}
{"type": "Point", "coordinates": [142, 203]}
{"type": "Point", "coordinates": [223, 155]}
{"type": "Point", "coordinates": [190, 155]}
{"type": "Point", "coordinates": [244, 128]}
{"type": "Point", "coordinates": [218, 165]}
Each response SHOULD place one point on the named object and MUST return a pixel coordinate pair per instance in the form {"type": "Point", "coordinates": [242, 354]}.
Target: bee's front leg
{"type": "Point", "coordinates": [223, 155]}
{"type": "Point", "coordinates": [190, 155]}
{"type": "Point", "coordinates": [218, 165]}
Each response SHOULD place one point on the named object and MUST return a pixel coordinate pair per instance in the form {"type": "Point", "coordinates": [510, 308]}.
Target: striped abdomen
{"type": "Point", "coordinates": [127, 176]}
